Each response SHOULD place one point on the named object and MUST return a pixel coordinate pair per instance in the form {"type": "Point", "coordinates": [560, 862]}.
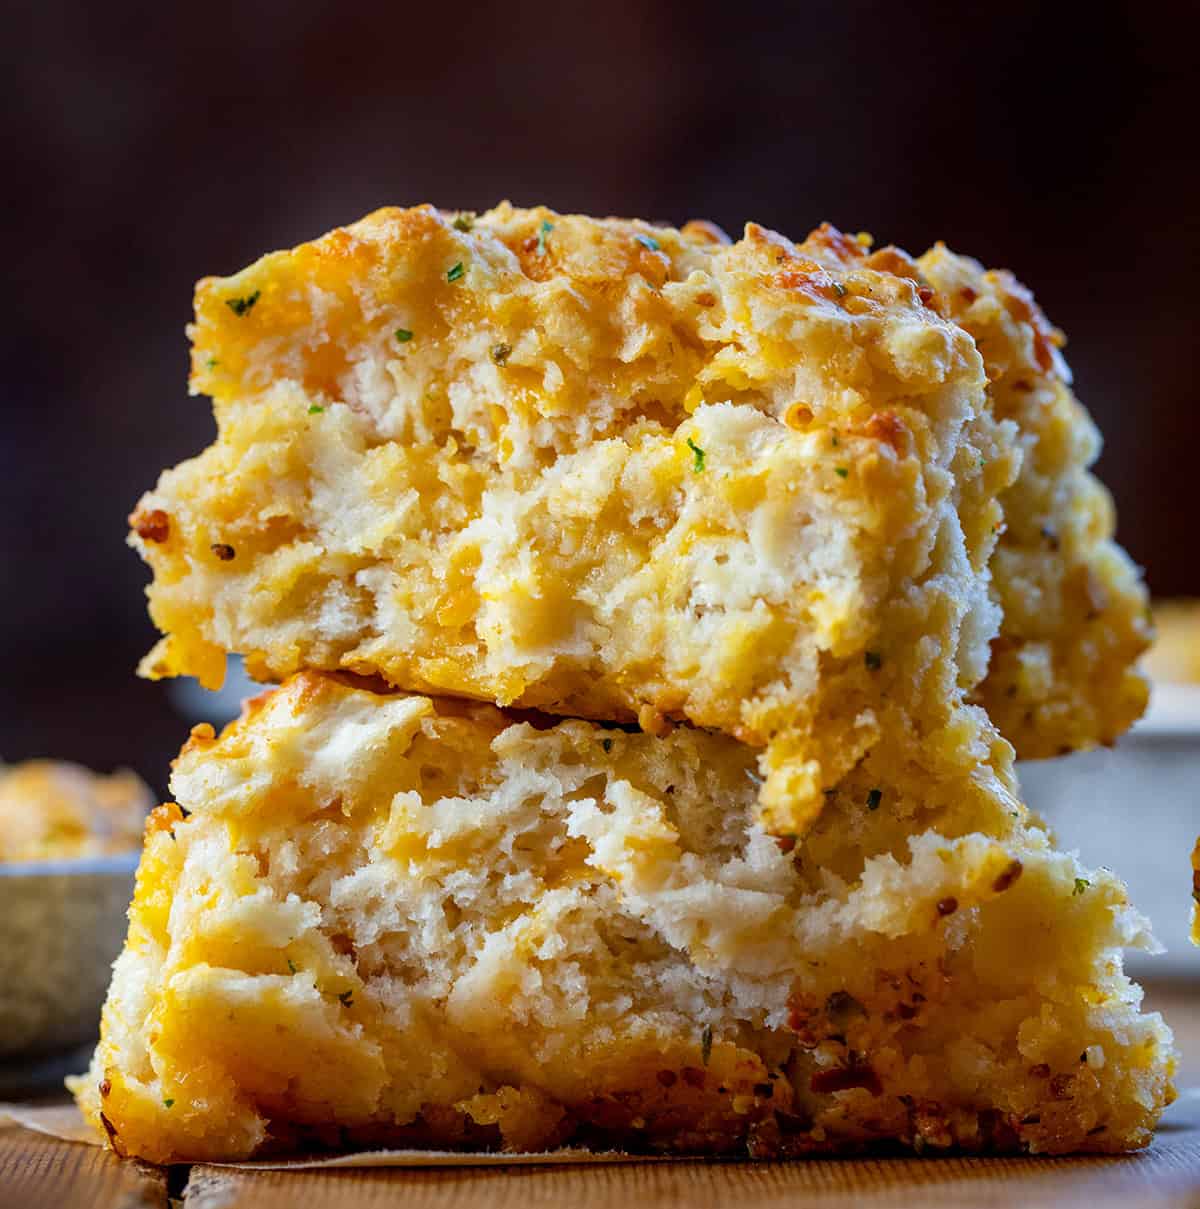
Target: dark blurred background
{"type": "Point", "coordinates": [150, 144]}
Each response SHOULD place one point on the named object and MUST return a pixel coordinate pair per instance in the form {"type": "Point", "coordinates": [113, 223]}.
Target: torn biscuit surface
{"type": "Point", "coordinates": [598, 468]}
{"type": "Point", "coordinates": [388, 920]}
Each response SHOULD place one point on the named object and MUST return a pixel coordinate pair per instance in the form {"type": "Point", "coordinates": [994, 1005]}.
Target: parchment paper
{"type": "Point", "coordinates": [65, 1122]}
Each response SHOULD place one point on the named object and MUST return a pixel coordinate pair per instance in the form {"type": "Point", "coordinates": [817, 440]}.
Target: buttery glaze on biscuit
{"type": "Point", "coordinates": [1063, 672]}
{"type": "Point", "coordinates": [603, 469]}
{"type": "Point", "coordinates": [387, 920]}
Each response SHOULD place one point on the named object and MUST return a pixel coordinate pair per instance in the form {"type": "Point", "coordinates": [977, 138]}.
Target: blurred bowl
{"type": "Point", "coordinates": [1135, 809]}
{"type": "Point", "coordinates": [63, 924]}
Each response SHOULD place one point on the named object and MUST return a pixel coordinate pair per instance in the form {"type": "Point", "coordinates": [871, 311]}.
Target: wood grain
{"type": "Point", "coordinates": [41, 1171]}
{"type": "Point", "coordinates": [37, 1171]}
{"type": "Point", "coordinates": [1166, 1176]}
{"type": "Point", "coordinates": [1169, 1175]}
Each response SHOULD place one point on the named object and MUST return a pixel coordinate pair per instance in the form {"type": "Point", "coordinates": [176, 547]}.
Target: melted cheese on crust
{"type": "Point", "coordinates": [389, 920]}
{"type": "Point", "coordinates": [601, 469]}
{"type": "Point", "coordinates": [1063, 673]}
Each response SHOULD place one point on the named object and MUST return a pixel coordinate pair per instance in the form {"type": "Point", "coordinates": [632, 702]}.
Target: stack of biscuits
{"type": "Point", "coordinates": [655, 618]}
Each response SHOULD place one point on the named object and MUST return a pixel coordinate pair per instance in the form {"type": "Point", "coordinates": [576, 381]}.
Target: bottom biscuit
{"type": "Point", "coordinates": [382, 920]}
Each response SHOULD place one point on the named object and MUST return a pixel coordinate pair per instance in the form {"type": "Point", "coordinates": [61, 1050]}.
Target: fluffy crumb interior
{"type": "Point", "coordinates": [385, 919]}
{"type": "Point", "coordinates": [598, 469]}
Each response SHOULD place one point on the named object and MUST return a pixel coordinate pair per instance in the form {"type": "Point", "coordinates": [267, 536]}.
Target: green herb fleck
{"type": "Point", "coordinates": [606, 744]}
{"type": "Point", "coordinates": [874, 660]}
{"type": "Point", "coordinates": [211, 363]}
{"type": "Point", "coordinates": [291, 966]}
{"type": "Point", "coordinates": [697, 456]}
{"type": "Point", "coordinates": [239, 306]}
{"type": "Point", "coordinates": [544, 230]}
{"type": "Point", "coordinates": [706, 1044]}
{"type": "Point", "coordinates": [465, 221]}
{"type": "Point", "coordinates": [168, 1103]}
{"type": "Point", "coordinates": [403, 335]}
{"type": "Point", "coordinates": [456, 272]}
{"type": "Point", "coordinates": [315, 410]}
{"type": "Point", "coordinates": [347, 998]}
{"type": "Point", "coordinates": [874, 798]}
{"type": "Point", "coordinates": [834, 440]}
{"type": "Point", "coordinates": [839, 289]}
{"type": "Point", "coordinates": [648, 241]}
{"type": "Point", "coordinates": [1081, 884]}
{"type": "Point", "coordinates": [501, 353]}
{"type": "Point", "coordinates": [841, 471]}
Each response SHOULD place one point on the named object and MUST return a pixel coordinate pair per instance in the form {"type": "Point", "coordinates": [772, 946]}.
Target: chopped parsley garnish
{"type": "Point", "coordinates": [544, 230]}
{"type": "Point", "coordinates": [291, 966]}
{"type": "Point", "coordinates": [456, 272]}
{"type": "Point", "coordinates": [834, 440]}
{"type": "Point", "coordinates": [648, 241]}
{"type": "Point", "coordinates": [403, 335]}
{"type": "Point", "coordinates": [315, 410]}
{"type": "Point", "coordinates": [168, 1103]}
{"type": "Point", "coordinates": [211, 363]}
{"type": "Point", "coordinates": [874, 798]}
{"type": "Point", "coordinates": [874, 660]}
{"type": "Point", "coordinates": [239, 306]}
{"type": "Point", "coordinates": [1081, 884]}
{"type": "Point", "coordinates": [841, 471]}
{"type": "Point", "coordinates": [347, 998]}
{"type": "Point", "coordinates": [706, 1044]}
{"type": "Point", "coordinates": [606, 744]}
{"type": "Point", "coordinates": [698, 456]}
{"type": "Point", "coordinates": [839, 289]}
{"type": "Point", "coordinates": [501, 353]}
{"type": "Point", "coordinates": [465, 221]}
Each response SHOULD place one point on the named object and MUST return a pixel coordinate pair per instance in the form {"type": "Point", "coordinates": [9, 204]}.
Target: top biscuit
{"type": "Point", "coordinates": [602, 468]}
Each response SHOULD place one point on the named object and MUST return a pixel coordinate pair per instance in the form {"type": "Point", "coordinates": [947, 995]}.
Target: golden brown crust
{"type": "Point", "coordinates": [389, 919]}
{"type": "Point", "coordinates": [54, 810]}
{"type": "Point", "coordinates": [599, 468]}
{"type": "Point", "coordinates": [1063, 673]}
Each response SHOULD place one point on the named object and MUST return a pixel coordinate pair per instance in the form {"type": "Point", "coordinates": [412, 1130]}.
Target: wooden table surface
{"type": "Point", "coordinates": [39, 1171]}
